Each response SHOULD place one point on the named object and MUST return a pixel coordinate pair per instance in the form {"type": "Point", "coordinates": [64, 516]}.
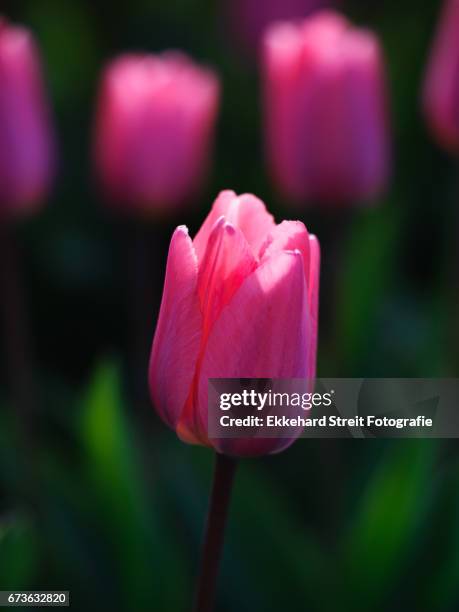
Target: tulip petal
{"type": "Point", "coordinates": [325, 110]}
{"type": "Point", "coordinates": [178, 333]}
{"type": "Point", "coordinates": [288, 236]}
{"type": "Point", "coordinates": [219, 209]}
{"type": "Point", "coordinates": [363, 86]}
{"type": "Point", "coordinates": [27, 147]}
{"type": "Point", "coordinates": [313, 298]}
{"type": "Point", "coordinates": [441, 86]}
{"type": "Point", "coordinates": [250, 215]}
{"type": "Point", "coordinates": [154, 130]}
{"type": "Point", "coordinates": [246, 212]}
{"type": "Point", "coordinates": [263, 331]}
{"type": "Point", "coordinates": [282, 66]}
{"type": "Point", "coordinates": [251, 447]}
{"type": "Point", "coordinates": [226, 264]}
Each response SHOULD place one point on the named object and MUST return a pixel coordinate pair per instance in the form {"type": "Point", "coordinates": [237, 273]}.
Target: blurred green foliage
{"type": "Point", "coordinates": [118, 503]}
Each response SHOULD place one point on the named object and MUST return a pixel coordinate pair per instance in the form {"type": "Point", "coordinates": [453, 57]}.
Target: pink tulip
{"type": "Point", "coordinates": [325, 109]}
{"type": "Point", "coordinates": [154, 130]}
{"type": "Point", "coordinates": [249, 19]}
{"type": "Point", "coordinates": [441, 88]}
{"type": "Point", "coordinates": [26, 137]}
{"type": "Point", "coordinates": [240, 301]}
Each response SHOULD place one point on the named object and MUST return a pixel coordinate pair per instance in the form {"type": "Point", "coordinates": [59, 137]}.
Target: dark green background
{"type": "Point", "coordinates": [118, 503]}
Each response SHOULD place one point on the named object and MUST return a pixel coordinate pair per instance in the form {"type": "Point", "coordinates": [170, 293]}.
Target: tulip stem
{"type": "Point", "coordinates": [225, 468]}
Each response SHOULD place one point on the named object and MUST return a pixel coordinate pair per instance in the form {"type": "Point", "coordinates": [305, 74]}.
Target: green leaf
{"type": "Point", "coordinates": [386, 522]}
{"type": "Point", "coordinates": [439, 590]}
{"type": "Point", "coordinates": [132, 519]}
{"type": "Point", "coordinates": [18, 553]}
{"type": "Point", "coordinates": [365, 279]}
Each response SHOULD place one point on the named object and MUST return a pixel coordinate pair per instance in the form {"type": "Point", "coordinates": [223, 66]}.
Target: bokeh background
{"type": "Point", "coordinates": [104, 501]}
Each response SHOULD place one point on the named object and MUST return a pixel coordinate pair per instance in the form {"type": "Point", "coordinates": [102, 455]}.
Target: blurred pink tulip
{"type": "Point", "coordinates": [240, 301]}
{"type": "Point", "coordinates": [26, 135]}
{"type": "Point", "coordinates": [154, 130]}
{"type": "Point", "coordinates": [249, 19]}
{"type": "Point", "coordinates": [326, 113]}
{"type": "Point", "coordinates": [441, 88]}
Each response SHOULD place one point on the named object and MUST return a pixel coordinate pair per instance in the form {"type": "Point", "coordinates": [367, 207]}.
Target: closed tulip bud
{"type": "Point", "coordinates": [240, 301]}
{"type": "Point", "coordinates": [441, 88]}
{"type": "Point", "coordinates": [249, 18]}
{"type": "Point", "coordinates": [26, 136]}
{"type": "Point", "coordinates": [154, 130]}
{"type": "Point", "coordinates": [325, 110]}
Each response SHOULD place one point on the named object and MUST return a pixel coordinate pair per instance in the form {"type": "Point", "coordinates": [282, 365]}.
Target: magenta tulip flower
{"type": "Point", "coordinates": [326, 111]}
{"type": "Point", "coordinates": [249, 19]}
{"type": "Point", "coordinates": [441, 88]}
{"type": "Point", "coordinates": [154, 130]}
{"type": "Point", "coordinates": [26, 137]}
{"type": "Point", "coordinates": [240, 301]}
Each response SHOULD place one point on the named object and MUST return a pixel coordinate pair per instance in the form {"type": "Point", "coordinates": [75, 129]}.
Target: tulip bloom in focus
{"type": "Point", "coordinates": [249, 18]}
{"type": "Point", "coordinates": [154, 130]}
{"type": "Point", "coordinates": [26, 137]}
{"type": "Point", "coordinates": [441, 88]}
{"type": "Point", "coordinates": [325, 110]}
{"type": "Point", "coordinates": [240, 301]}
